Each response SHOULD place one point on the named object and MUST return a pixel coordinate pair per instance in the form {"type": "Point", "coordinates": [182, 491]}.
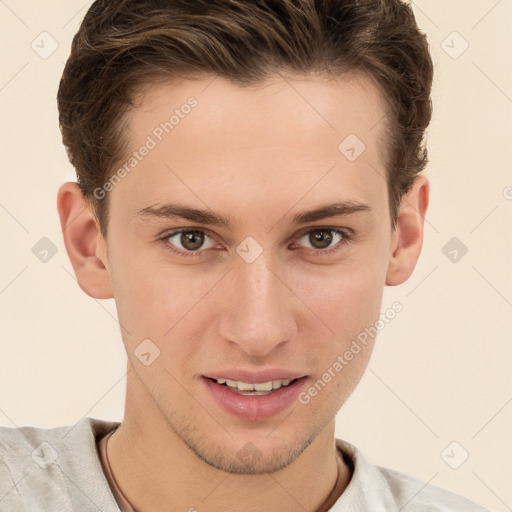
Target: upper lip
{"type": "Point", "coordinates": [253, 376]}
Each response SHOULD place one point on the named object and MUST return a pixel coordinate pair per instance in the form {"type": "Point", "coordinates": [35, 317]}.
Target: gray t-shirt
{"type": "Point", "coordinates": [59, 469]}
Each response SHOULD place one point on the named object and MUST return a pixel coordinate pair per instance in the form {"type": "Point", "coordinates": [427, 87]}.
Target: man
{"type": "Point", "coordinates": [248, 182]}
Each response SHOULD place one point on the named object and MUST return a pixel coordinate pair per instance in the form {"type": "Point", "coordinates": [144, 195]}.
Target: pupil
{"type": "Point", "coordinates": [324, 238]}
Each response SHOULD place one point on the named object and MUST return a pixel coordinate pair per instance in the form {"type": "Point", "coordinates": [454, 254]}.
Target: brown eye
{"type": "Point", "coordinates": [325, 240]}
{"type": "Point", "coordinates": [190, 240]}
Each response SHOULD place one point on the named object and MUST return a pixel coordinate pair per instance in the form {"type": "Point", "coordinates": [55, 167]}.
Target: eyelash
{"type": "Point", "coordinates": [346, 234]}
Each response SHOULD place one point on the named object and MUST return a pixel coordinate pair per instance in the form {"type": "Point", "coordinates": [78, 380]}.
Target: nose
{"type": "Point", "coordinates": [257, 313]}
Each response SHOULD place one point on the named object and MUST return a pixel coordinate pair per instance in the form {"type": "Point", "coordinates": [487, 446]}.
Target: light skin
{"type": "Point", "coordinates": [258, 155]}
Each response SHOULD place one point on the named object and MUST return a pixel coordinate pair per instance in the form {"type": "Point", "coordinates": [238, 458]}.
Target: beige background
{"type": "Point", "coordinates": [440, 372]}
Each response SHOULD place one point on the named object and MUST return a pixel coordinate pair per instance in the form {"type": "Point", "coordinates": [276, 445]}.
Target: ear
{"type": "Point", "coordinates": [86, 247]}
{"type": "Point", "coordinates": [407, 239]}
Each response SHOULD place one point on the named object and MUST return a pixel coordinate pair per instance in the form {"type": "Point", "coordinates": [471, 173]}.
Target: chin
{"type": "Point", "coordinates": [262, 455]}
{"type": "Point", "coordinates": [249, 460]}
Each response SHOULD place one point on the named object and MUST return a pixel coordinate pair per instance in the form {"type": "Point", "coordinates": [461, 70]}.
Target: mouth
{"type": "Point", "coordinates": [261, 399]}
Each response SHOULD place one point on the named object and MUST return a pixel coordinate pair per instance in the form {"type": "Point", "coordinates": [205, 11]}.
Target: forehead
{"type": "Point", "coordinates": [316, 101]}
{"type": "Point", "coordinates": [289, 137]}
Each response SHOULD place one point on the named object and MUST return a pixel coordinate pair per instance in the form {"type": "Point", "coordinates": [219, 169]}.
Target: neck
{"type": "Point", "coordinates": [153, 467]}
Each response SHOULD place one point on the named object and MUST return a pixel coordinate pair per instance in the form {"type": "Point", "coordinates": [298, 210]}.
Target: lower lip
{"type": "Point", "coordinates": [255, 407]}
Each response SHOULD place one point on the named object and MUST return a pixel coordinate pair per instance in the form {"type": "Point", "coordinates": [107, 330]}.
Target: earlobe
{"type": "Point", "coordinates": [407, 240]}
{"type": "Point", "coordinates": [84, 243]}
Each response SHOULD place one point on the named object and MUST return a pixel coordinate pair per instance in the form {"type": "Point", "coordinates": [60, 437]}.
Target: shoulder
{"type": "Point", "coordinates": [53, 468]}
{"type": "Point", "coordinates": [424, 496]}
{"type": "Point", "coordinates": [378, 488]}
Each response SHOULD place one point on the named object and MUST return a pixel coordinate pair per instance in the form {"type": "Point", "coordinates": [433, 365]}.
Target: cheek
{"type": "Point", "coordinates": [156, 298]}
{"type": "Point", "coordinates": [347, 299]}
{"type": "Point", "coordinates": [162, 303]}
{"type": "Point", "coordinates": [349, 305]}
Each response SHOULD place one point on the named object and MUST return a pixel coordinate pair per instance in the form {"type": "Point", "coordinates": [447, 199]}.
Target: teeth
{"type": "Point", "coordinates": [264, 386]}
{"type": "Point", "coordinates": [259, 386]}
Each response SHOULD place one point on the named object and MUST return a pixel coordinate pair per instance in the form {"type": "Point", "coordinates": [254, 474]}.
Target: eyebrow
{"type": "Point", "coordinates": [175, 210]}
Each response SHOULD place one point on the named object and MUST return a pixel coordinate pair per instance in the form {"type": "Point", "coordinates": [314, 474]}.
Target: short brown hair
{"type": "Point", "coordinates": [122, 45]}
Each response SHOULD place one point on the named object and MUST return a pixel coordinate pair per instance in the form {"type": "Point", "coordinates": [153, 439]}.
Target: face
{"type": "Point", "coordinates": [253, 292]}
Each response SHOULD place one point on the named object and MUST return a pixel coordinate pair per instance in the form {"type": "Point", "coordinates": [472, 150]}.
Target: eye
{"type": "Point", "coordinates": [188, 242]}
{"type": "Point", "coordinates": [191, 242]}
{"type": "Point", "coordinates": [325, 240]}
